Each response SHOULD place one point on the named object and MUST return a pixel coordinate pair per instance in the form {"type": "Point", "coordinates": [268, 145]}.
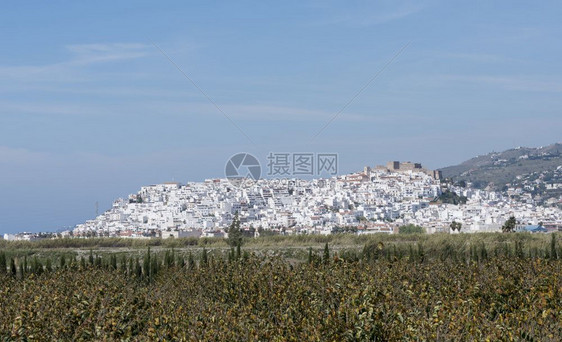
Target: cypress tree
{"type": "Point", "coordinates": [13, 268]}
{"type": "Point", "coordinates": [3, 266]}
{"type": "Point", "coordinates": [138, 268]}
{"type": "Point", "coordinates": [153, 268]}
{"type": "Point", "coordinates": [180, 262]}
{"type": "Point", "coordinates": [166, 257]}
{"type": "Point", "coordinates": [32, 266]}
{"type": "Point", "coordinates": [131, 267]}
{"type": "Point", "coordinates": [123, 264]}
{"type": "Point", "coordinates": [146, 264]}
{"type": "Point", "coordinates": [190, 261]}
{"type": "Point", "coordinates": [36, 266]}
{"type": "Point", "coordinates": [169, 259]}
{"type": "Point", "coordinates": [39, 265]}
{"type": "Point", "coordinates": [113, 262]}
{"type": "Point", "coordinates": [519, 249]}
{"type": "Point", "coordinates": [421, 253]}
{"type": "Point", "coordinates": [231, 255]}
{"type": "Point", "coordinates": [234, 232]}
{"type": "Point", "coordinates": [483, 252]}
{"type": "Point", "coordinates": [204, 258]}
{"type": "Point", "coordinates": [553, 247]}
{"type": "Point", "coordinates": [326, 257]}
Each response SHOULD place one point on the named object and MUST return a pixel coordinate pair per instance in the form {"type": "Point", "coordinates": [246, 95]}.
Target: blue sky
{"type": "Point", "coordinates": [90, 110]}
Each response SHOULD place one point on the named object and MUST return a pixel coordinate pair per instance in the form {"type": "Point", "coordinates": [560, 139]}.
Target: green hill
{"type": "Point", "coordinates": [498, 169]}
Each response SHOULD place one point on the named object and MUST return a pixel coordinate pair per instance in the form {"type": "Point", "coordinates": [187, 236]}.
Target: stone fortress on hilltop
{"type": "Point", "coordinates": [397, 166]}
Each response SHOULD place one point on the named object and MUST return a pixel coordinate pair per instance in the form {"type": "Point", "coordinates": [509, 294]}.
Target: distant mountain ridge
{"type": "Point", "coordinates": [499, 169]}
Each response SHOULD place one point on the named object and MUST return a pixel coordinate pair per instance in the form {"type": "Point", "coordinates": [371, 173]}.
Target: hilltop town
{"type": "Point", "coordinates": [376, 200]}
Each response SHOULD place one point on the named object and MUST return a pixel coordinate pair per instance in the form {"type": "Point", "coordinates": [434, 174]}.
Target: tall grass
{"type": "Point", "coordinates": [110, 243]}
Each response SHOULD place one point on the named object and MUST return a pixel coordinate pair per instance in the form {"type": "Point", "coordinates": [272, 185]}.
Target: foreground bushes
{"type": "Point", "coordinates": [379, 296]}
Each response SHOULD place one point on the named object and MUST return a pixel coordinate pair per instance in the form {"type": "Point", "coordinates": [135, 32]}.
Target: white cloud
{"type": "Point", "coordinates": [295, 114]}
{"type": "Point", "coordinates": [399, 13]}
{"type": "Point", "coordinates": [381, 13]}
{"type": "Point", "coordinates": [517, 83]}
{"type": "Point", "coordinates": [178, 107]}
{"type": "Point", "coordinates": [82, 56]}
{"type": "Point", "coordinates": [96, 53]}
{"type": "Point", "coordinates": [19, 156]}
{"type": "Point", "coordinates": [476, 57]}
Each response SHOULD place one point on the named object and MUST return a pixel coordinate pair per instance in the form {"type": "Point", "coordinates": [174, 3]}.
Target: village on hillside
{"type": "Point", "coordinates": [376, 200]}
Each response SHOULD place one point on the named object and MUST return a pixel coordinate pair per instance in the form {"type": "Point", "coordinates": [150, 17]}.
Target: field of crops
{"type": "Point", "coordinates": [383, 291]}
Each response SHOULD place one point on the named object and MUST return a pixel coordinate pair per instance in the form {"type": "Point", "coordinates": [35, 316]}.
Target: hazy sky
{"type": "Point", "coordinates": [90, 109]}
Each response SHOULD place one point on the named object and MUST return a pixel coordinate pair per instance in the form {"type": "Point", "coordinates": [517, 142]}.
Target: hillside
{"type": "Point", "coordinates": [523, 166]}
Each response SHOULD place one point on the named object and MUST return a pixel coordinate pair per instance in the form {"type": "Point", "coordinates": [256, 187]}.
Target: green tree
{"type": "Point", "coordinates": [238, 251]}
{"type": "Point", "coordinates": [234, 232]}
{"type": "Point", "coordinates": [553, 254]}
{"type": "Point", "coordinates": [131, 266]}
{"type": "Point", "coordinates": [361, 219]}
{"type": "Point", "coordinates": [456, 226]}
{"type": "Point", "coordinates": [190, 261]}
{"type": "Point", "coordinates": [13, 268]}
{"type": "Point", "coordinates": [462, 184]}
{"type": "Point", "coordinates": [3, 262]}
{"type": "Point", "coordinates": [154, 268]}
{"type": "Point", "coordinates": [231, 255]}
{"type": "Point", "coordinates": [147, 264]}
{"type": "Point", "coordinates": [509, 225]}
{"type": "Point", "coordinates": [180, 261]}
{"type": "Point", "coordinates": [452, 197]}
{"type": "Point", "coordinates": [204, 258]}
{"type": "Point", "coordinates": [138, 268]}
{"type": "Point", "coordinates": [411, 229]}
